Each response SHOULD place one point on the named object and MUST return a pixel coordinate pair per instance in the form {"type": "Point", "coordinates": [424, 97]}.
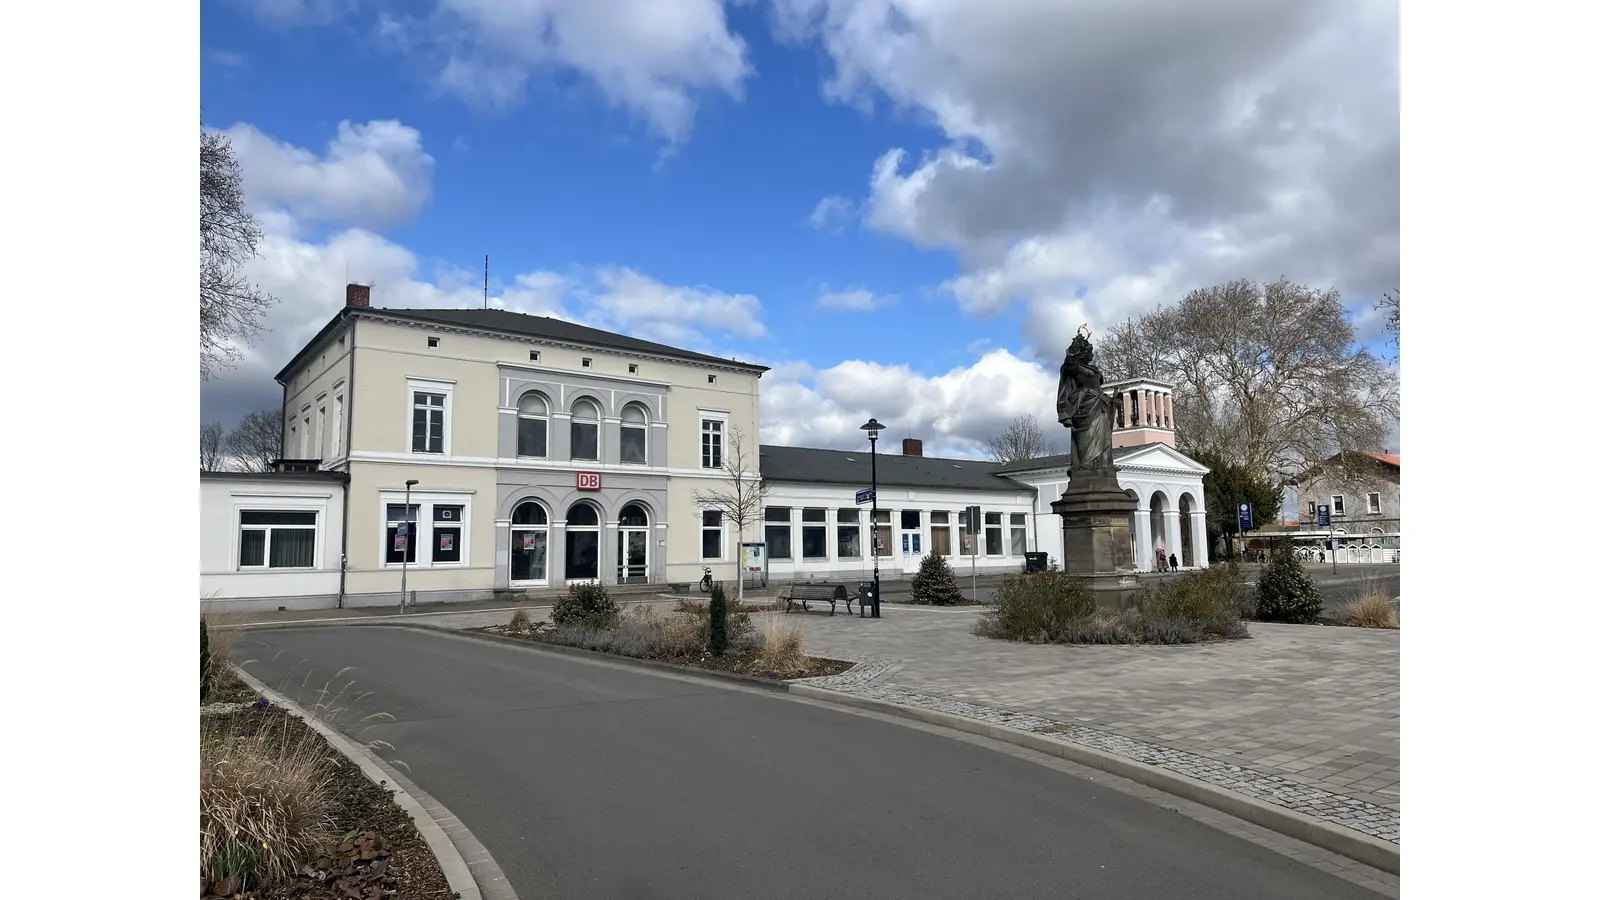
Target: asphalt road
{"type": "Point", "coordinates": [593, 781]}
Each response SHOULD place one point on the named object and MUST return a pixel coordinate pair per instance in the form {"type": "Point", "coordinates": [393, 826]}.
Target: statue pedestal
{"type": "Point", "coordinates": [1097, 542]}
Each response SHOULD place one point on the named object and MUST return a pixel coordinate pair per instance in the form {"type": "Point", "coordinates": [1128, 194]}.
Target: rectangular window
{"type": "Point", "coordinates": [322, 415]}
{"type": "Point", "coordinates": [446, 540]}
{"type": "Point", "coordinates": [778, 533]}
{"type": "Point", "coordinates": [710, 443]}
{"type": "Point", "coordinates": [338, 426]}
{"type": "Point", "coordinates": [849, 529]}
{"type": "Point", "coordinates": [711, 534]}
{"type": "Point", "coordinates": [1338, 504]}
{"type": "Point", "coordinates": [533, 356]}
{"type": "Point", "coordinates": [633, 368]}
{"type": "Point", "coordinates": [433, 342]}
{"type": "Point", "coordinates": [711, 379]}
{"type": "Point", "coordinates": [585, 440]}
{"type": "Point", "coordinates": [277, 539]}
{"type": "Point", "coordinates": [993, 542]}
{"type": "Point", "coordinates": [532, 436]}
{"type": "Point", "coordinates": [427, 422]}
{"type": "Point", "coordinates": [305, 435]}
{"type": "Point", "coordinates": [1019, 534]}
{"type": "Point", "coordinates": [939, 531]}
{"type": "Point", "coordinates": [814, 533]}
{"type": "Point", "coordinates": [884, 532]}
{"type": "Point", "coordinates": [400, 544]}
{"type": "Point", "coordinates": [967, 545]}
{"type": "Point", "coordinates": [1374, 504]}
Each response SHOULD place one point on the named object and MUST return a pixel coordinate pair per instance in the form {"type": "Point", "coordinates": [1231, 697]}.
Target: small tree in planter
{"type": "Point", "coordinates": [588, 605]}
{"type": "Point", "coordinates": [1285, 593]}
{"type": "Point", "coordinates": [717, 640]}
{"type": "Point", "coordinates": [935, 583]}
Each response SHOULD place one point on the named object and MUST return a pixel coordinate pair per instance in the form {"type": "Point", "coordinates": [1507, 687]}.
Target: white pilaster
{"type": "Point", "coordinates": [1141, 538]}
{"type": "Point", "coordinates": [1202, 552]}
{"type": "Point", "coordinates": [1174, 538]}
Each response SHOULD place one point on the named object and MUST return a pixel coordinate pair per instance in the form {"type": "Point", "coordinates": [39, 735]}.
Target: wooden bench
{"type": "Point", "coordinates": [804, 592]}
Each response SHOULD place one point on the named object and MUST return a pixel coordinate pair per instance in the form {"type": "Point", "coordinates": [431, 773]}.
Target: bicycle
{"type": "Point", "coordinates": [705, 580]}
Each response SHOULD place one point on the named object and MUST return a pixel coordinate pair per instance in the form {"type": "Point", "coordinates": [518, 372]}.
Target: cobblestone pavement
{"type": "Point", "coordinates": [1304, 716]}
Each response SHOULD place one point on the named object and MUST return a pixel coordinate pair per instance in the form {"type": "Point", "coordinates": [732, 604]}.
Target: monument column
{"type": "Point", "coordinates": [1202, 549]}
{"type": "Point", "coordinates": [1127, 409]}
{"type": "Point", "coordinates": [1142, 539]}
{"type": "Point", "coordinates": [1174, 538]}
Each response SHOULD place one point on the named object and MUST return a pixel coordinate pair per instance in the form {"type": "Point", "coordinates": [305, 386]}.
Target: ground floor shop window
{"type": "Point", "coordinates": [883, 530]}
{"type": "Point", "coordinates": [1019, 534]}
{"type": "Point", "coordinates": [939, 532]}
{"type": "Point", "coordinates": [583, 542]}
{"type": "Point", "coordinates": [778, 533]}
{"type": "Point", "coordinates": [530, 543]}
{"type": "Point", "coordinates": [277, 539]}
{"type": "Point", "coordinates": [849, 529]}
{"type": "Point", "coordinates": [711, 534]}
{"type": "Point", "coordinates": [814, 533]}
{"type": "Point", "coordinates": [400, 543]}
{"type": "Point", "coordinates": [428, 533]}
{"type": "Point", "coordinates": [993, 544]}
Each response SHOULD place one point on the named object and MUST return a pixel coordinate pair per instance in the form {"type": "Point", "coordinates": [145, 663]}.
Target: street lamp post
{"type": "Point", "coordinates": [872, 428]}
{"type": "Point", "coordinates": [411, 543]}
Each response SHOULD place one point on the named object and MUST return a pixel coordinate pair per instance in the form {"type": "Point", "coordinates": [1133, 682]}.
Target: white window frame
{"type": "Point", "coordinates": [597, 422]}
{"type": "Point", "coordinates": [721, 431]}
{"type": "Point", "coordinates": [1011, 533]}
{"type": "Point", "coordinates": [303, 450]}
{"type": "Point", "coordinates": [623, 425]}
{"type": "Point", "coordinates": [425, 501]}
{"type": "Point", "coordinates": [808, 524]}
{"type": "Point", "coordinates": [322, 424]}
{"type": "Point", "coordinates": [1336, 505]}
{"type": "Point", "coordinates": [416, 386]}
{"type": "Point", "coordinates": [839, 525]}
{"type": "Point", "coordinates": [338, 426]}
{"type": "Point", "coordinates": [1374, 503]}
{"type": "Point", "coordinates": [266, 547]}
{"type": "Point", "coordinates": [999, 526]}
{"type": "Point", "coordinates": [548, 417]}
{"type": "Point", "coordinates": [722, 534]}
{"type": "Point", "coordinates": [786, 524]}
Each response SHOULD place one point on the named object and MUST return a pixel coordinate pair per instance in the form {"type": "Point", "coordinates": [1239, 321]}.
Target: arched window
{"type": "Point", "coordinates": [533, 425]}
{"type": "Point", "coordinates": [583, 542]}
{"type": "Point", "coordinates": [582, 515]}
{"type": "Point", "coordinates": [585, 430]}
{"type": "Point", "coordinates": [530, 543]}
{"type": "Point", "coordinates": [635, 434]}
{"type": "Point", "coordinates": [633, 516]}
{"type": "Point", "coordinates": [633, 543]}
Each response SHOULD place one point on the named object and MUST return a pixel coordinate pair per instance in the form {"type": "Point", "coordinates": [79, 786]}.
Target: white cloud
{"type": "Point", "coordinates": [374, 175]}
{"type": "Point", "coordinates": [1101, 158]}
{"type": "Point", "coordinates": [227, 58]}
{"type": "Point", "coordinates": [858, 299]}
{"type": "Point", "coordinates": [296, 13]}
{"type": "Point", "coordinates": [832, 214]}
{"type": "Point", "coordinates": [952, 412]}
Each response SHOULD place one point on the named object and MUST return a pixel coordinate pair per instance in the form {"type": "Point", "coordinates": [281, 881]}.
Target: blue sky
{"type": "Point", "coordinates": [903, 207]}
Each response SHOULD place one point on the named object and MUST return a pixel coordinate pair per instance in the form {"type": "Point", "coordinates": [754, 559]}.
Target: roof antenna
{"type": "Point", "coordinates": [486, 281]}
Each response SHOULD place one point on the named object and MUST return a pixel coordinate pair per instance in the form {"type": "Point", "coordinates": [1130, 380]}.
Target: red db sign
{"type": "Point", "coordinates": [588, 481]}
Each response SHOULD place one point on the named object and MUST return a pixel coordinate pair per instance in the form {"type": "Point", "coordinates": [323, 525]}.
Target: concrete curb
{"type": "Point", "coordinates": [425, 811]}
{"type": "Point", "coordinates": [1343, 841]}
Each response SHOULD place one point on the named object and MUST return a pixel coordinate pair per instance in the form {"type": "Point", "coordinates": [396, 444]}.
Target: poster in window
{"type": "Point", "coordinates": [916, 543]}
{"type": "Point", "coordinates": [447, 542]}
{"type": "Point", "coordinates": [399, 541]}
{"type": "Point", "coordinates": [905, 544]}
{"type": "Point", "coordinates": [527, 541]}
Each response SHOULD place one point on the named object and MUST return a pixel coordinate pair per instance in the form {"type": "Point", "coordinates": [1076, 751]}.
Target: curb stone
{"type": "Point", "coordinates": [425, 812]}
{"type": "Point", "coordinates": [1379, 854]}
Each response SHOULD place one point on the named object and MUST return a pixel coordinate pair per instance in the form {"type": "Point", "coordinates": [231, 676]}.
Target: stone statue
{"type": "Point", "coordinates": [1084, 407]}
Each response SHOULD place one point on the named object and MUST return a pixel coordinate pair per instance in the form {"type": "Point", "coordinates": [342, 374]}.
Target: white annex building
{"type": "Point", "coordinates": [525, 453]}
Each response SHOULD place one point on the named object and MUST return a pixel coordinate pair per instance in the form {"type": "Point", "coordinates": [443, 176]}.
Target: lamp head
{"type": "Point", "coordinates": [872, 428]}
{"type": "Point", "coordinates": [411, 482]}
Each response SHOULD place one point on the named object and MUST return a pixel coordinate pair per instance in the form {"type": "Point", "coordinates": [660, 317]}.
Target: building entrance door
{"type": "Point", "coordinates": [633, 545]}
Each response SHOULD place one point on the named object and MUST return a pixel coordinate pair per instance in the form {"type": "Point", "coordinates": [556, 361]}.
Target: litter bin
{"type": "Point", "coordinates": [1035, 562]}
{"type": "Point", "coordinates": [865, 597]}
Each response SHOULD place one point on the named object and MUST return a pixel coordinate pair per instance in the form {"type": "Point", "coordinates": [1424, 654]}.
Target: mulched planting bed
{"type": "Point", "coordinates": [380, 855]}
{"type": "Point", "coordinates": [747, 663]}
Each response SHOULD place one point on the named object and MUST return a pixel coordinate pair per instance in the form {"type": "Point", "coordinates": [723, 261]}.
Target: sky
{"type": "Point", "coordinates": [904, 207]}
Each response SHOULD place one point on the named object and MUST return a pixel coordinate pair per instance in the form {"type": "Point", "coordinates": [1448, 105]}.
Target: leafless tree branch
{"type": "Point", "coordinates": [231, 308]}
{"type": "Point", "coordinates": [256, 441]}
{"type": "Point", "coordinates": [211, 447]}
{"type": "Point", "coordinates": [741, 496]}
{"type": "Point", "coordinates": [1022, 439]}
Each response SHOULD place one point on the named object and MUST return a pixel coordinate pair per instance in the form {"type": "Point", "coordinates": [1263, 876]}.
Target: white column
{"type": "Point", "coordinates": [1174, 539]}
{"type": "Point", "coordinates": [1141, 538]}
{"type": "Point", "coordinates": [1166, 409]}
{"type": "Point", "coordinates": [1127, 409]}
{"type": "Point", "coordinates": [1202, 551]}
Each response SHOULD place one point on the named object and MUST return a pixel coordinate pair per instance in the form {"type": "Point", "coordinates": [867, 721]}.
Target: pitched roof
{"type": "Point", "coordinates": [523, 325]}
{"type": "Point", "coordinates": [1061, 460]}
{"type": "Point", "coordinates": [1392, 459]}
{"type": "Point", "coordinates": [854, 467]}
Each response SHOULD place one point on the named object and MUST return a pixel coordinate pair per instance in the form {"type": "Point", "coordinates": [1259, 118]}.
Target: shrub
{"type": "Point", "coordinates": [782, 643]}
{"type": "Point", "coordinates": [1036, 607]}
{"type": "Point", "coordinates": [521, 622]}
{"type": "Point", "coordinates": [1208, 599]}
{"type": "Point", "coordinates": [263, 808]}
{"type": "Point", "coordinates": [740, 628]}
{"type": "Point", "coordinates": [935, 583]}
{"type": "Point", "coordinates": [717, 633]}
{"type": "Point", "coordinates": [586, 605]}
{"type": "Point", "coordinates": [1285, 593]}
{"type": "Point", "coordinates": [1372, 610]}
{"type": "Point", "coordinates": [205, 662]}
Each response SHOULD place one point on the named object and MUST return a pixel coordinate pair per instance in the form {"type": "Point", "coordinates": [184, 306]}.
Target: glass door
{"type": "Point", "coordinates": [633, 556]}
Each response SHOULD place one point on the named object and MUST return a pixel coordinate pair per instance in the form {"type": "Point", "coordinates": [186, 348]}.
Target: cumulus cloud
{"type": "Point", "coordinates": [1102, 158]}
{"type": "Point", "coordinates": [857, 299]}
{"type": "Point", "coordinates": [374, 175]}
{"type": "Point", "coordinates": [832, 214]}
{"type": "Point", "coordinates": [952, 412]}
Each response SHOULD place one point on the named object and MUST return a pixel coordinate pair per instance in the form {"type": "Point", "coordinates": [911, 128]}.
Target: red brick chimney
{"type": "Point", "coordinates": [358, 295]}
{"type": "Point", "coordinates": [910, 447]}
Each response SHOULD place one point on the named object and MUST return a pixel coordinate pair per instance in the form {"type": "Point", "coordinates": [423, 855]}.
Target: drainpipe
{"type": "Point", "coordinates": [349, 429]}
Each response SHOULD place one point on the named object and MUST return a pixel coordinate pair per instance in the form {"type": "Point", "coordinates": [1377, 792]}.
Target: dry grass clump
{"type": "Point", "coordinates": [221, 635]}
{"type": "Point", "coordinates": [1371, 610]}
{"type": "Point", "coordinates": [521, 622]}
{"type": "Point", "coordinates": [782, 643]}
{"type": "Point", "coordinates": [263, 806]}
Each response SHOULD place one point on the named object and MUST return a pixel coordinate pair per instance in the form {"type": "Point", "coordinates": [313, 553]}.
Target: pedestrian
{"type": "Point", "coordinates": [1172, 562]}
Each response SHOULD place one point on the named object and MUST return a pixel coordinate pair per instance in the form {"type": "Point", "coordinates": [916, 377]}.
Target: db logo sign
{"type": "Point", "coordinates": [588, 481]}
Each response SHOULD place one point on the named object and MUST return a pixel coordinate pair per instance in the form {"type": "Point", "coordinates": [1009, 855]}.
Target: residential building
{"type": "Point", "coordinates": [541, 452]}
{"type": "Point", "coordinates": [1361, 489]}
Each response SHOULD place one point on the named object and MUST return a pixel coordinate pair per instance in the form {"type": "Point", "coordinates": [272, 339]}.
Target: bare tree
{"type": "Point", "coordinates": [1022, 439]}
{"type": "Point", "coordinates": [211, 447]}
{"type": "Point", "coordinates": [256, 441]}
{"type": "Point", "coordinates": [741, 497]}
{"type": "Point", "coordinates": [1265, 376]}
{"type": "Point", "coordinates": [1391, 322]}
{"type": "Point", "coordinates": [231, 307]}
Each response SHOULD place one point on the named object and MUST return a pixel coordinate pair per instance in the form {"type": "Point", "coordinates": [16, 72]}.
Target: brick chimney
{"type": "Point", "coordinates": [358, 295]}
{"type": "Point", "coordinates": [910, 447]}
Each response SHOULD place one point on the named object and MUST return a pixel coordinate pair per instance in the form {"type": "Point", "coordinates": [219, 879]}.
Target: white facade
{"type": "Point", "coordinates": [270, 541]}
{"type": "Point", "coordinates": [1171, 516]}
{"type": "Point", "coordinates": [825, 545]}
